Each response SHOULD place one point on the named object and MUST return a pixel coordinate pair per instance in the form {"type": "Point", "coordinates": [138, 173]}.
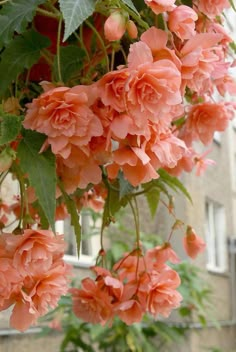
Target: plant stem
{"type": "Point", "coordinates": [79, 37]}
{"type": "Point", "coordinates": [47, 13]}
{"type": "Point", "coordinates": [101, 41]}
{"type": "Point", "coordinates": [58, 49]}
{"type": "Point", "coordinates": [136, 220]}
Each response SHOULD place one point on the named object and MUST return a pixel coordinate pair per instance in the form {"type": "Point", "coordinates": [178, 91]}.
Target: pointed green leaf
{"type": "Point", "coordinates": [41, 170]}
{"type": "Point", "coordinates": [10, 126]}
{"type": "Point", "coordinates": [74, 216]}
{"type": "Point", "coordinates": [75, 12]}
{"type": "Point", "coordinates": [71, 59]}
{"type": "Point", "coordinates": [22, 53]}
{"type": "Point", "coordinates": [130, 4]}
{"type": "Point", "coordinates": [14, 17]}
{"type": "Point", "coordinates": [153, 197]}
{"type": "Point", "coordinates": [174, 183]}
{"type": "Point", "coordinates": [232, 5]}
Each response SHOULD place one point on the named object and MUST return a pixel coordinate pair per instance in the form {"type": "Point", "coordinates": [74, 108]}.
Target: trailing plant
{"type": "Point", "coordinates": [102, 102]}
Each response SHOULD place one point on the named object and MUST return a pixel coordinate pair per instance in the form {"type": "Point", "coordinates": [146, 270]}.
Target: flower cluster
{"type": "Point", "coordinates": [33, 274]}
{"type": "Point", "coordinates": [137, 284]}
{"type": "Point", "coordinates": [135, 96]}
{"type": "Point", "coordinates": [128, 120]}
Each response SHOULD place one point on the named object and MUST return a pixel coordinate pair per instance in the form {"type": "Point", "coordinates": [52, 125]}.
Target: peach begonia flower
{"type": "Point", "coordinates": [161, 254]}
{"type": "Point", "coordinates": [159, 6]}
{"type": "Point", "coordinates": [193, 244]}
{"type": "Point", "coordinates": [111, 89]}
{"type": "Point", "coordinates": [91, 304]}
{"type": "Point", "coordinates": [78, 175]}
{"type": "Point", "coordinates": [152, 86]}
{"type": "Point", "coordinates": [10, 282]}
{"type": "Point", "coordinates": [199, 57]}
{"type": "Point", "coordinates": [202, 163]}
{"type": "Point", "coordinates": [130, 311]}
{"type": "Point", "coordinates": [135, 171]}
{"type": "Point", "coordinates": [181, 21]}
{"type": "Point", "coordinates": [204, 119]}
{"type": "Point", "coordinates": [157, 39]}
{"type": "Point", "coordinates": [212, 8]}
{"type": "Point", "coordinates": [163, 296]}
{"type": "Point", "coordinates": [39, 295]}
{"type": "Point", "coordinates": [64, 115]}
{"type": "Point", "coordinates": [129, 267]}
{"type": "Point", "coordinates": [226, 84]}
{"type": "Point", "coordinates": [167, 149]}
{"type": "Point", "coordinates": [186, 163]}
{"type": "Point", "coordinates": [34, 251]}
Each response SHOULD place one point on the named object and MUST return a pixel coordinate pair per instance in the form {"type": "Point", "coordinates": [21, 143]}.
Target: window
{"type": "Point", "coordinates": [217, 137]}
{"type": "Point", "coordinates": [215, 237]}
{"type": "Point", "coordinates": [90, 243]}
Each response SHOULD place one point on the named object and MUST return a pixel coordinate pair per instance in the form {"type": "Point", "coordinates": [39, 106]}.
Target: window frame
{"type": "Point", "coordinates": [215, 234]}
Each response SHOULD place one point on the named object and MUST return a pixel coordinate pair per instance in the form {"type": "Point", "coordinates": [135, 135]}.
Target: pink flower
{"type": "Point", "coordinates": [204, 119]}
{"type": "Point", "coordinates": [181, 21]}
{"type": "Point", "coordinates": [161, 254]}
{"type": "Point", "coordinates": [159, 6]}
{"type": "Point", "coordinates": [153, 88]}
{"type": "Point", "coordinates": [91, 304]}
{"type": "Point", "coordinates": [199, 56]}
{"type": "Point", "coordinates": [157, 39]}
{"type": "Point", "coordinates": [201, 163]}
{"type": "Point", "coordinates": [64, 115]}
{"type": "Point", "coordinates": [186, 163]}
{"type": "Point", "coordinates": [10, 282]}
{"type": "Point", "coordinates": [38, 295]}
{"type": "Point", "coordinates": [115, 26]}
{"type": "Point", "coordinates": [212, 8]}
{"type": "Point", "coordinates": [111, 89]}
{"type": "Point", "coordinates": [34, 251]}
{"type": "Point", "coordinates": [193, 244]}
{"type": "Point", "coordinates": [130, 311]}
{"type": "Point", "coordinates": [163, 296]}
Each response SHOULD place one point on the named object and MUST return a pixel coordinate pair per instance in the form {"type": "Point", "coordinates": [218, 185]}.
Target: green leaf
{"type": "Point", "coordinates": [139, 5]}
{"type": "Point", "coordinates": [232, 5]}
{"type": "Point", "coordinates": [187, 3]}
{"type": "Point", "coordinates": [75, 12]}
{"type": "Point", "coordinates": [14, 17]}
{"type": "Point", "coordinates": [41, 170]}
{"type": "Point", "coordinates": [10, 126]}
{"type": "Point", "coordinates": [185, 311]}
{"type": "Point", "coordinates": [153, 197]}
{"type": "Point", "coordinates": [71, 59]}
{"type": "Point", "coordinates": [43, 219]}
{"type": "Point", "coordinates": [22, 53]}
{"type": "Point", "coordinates": [174, 183]}
{"type": "Point", "coordinates": [125, 187]}
{"type": "Point", "coordinates": [233, 46]}
{"type": "Point", "coordinates": [130, 4]}
{"type": "Point", "coordinates": [72, 210]}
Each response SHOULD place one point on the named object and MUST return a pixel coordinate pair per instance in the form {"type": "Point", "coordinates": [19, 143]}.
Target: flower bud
{"type": "Point", "coordinates": [132, 29]}
{"type": "Point", "coordinates": [115, 26]}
